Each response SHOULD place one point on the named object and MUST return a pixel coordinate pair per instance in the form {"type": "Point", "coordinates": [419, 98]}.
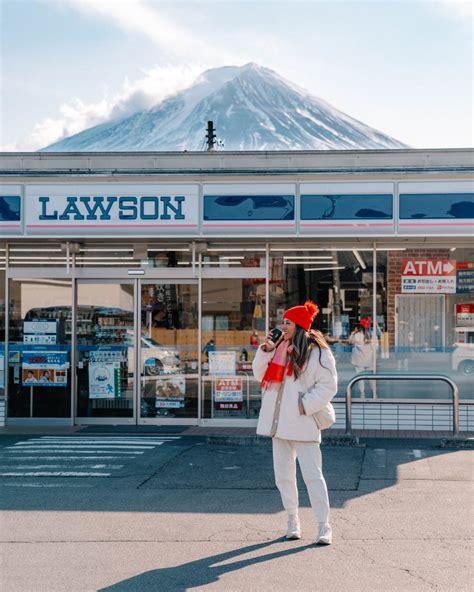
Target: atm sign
{"type": "Point", "coordinates": [429, 276]}
{"type": "Point", "coordinates": [428, 267]}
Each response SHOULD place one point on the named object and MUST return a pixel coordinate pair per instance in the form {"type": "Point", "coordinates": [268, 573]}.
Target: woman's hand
{"type": "Point", "coordinates": [269, 345]}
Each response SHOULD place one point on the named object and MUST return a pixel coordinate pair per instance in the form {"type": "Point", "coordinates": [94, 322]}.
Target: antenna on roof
{"type": "Point", "coordinates": [210, 136]}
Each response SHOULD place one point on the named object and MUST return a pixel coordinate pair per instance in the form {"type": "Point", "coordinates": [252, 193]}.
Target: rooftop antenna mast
{"type": "Point", "coordinates": [211, 137]}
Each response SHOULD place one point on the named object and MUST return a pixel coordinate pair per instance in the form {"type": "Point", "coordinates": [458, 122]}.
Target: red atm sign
{"type": "Point", "coordinates": [428, 276]}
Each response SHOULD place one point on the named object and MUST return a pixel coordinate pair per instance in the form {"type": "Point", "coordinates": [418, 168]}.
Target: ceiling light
{"type": "Point", "coordinates": [323, 268]}
{"type": "Point", "coordinates": [360, 261]}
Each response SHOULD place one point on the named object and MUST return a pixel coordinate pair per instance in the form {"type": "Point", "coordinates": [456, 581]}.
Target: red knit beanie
{"type": "Point", "coordinates": [302, 315]}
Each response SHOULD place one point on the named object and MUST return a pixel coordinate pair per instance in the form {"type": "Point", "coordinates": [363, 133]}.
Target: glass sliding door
{"type": "Point", "coordinates": [168, 347]}
{"type": "Point", "coordinates": [38, 368]}
{"type": "Point", "coordinates": [233, 326]}
{"type": "Point", "coordinates": [105, 360]}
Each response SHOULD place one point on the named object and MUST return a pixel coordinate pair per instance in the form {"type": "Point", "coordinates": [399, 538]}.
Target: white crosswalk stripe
{"type": "Point", "coordinates": [75, 456]}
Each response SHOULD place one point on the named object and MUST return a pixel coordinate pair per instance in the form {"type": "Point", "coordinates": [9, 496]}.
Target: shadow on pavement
{"type": "Point", "coordinates": [202, 572]}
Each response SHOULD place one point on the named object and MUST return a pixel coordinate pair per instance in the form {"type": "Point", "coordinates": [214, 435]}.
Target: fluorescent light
{"type": "Point", "coordinates": [238, 249]}
{"type": "Point", "coordinates": [34, 257]}
{"type": "Point", "coordinates": [221, 262]}
{"type": "Point", "coordinates": [289, 257]}
{"type": "Point", "coordinates": [310, 261]}
{"type": "Point", "coordinates": [360, 261]}
{"type": "Point", "coordinates": [28, 250]}
{"type": "Point", "coordinates": [105, 250]}
{"type": "Point", "coordinates": [104, 258]}
{"type": "Point", "coordinates": [452, 249]}
{"type": "Point", "coordinates": [324, 268]}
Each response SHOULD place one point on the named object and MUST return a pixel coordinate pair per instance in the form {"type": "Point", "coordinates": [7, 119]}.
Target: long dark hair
{"type": "Point", "coordinates": [303, 342]}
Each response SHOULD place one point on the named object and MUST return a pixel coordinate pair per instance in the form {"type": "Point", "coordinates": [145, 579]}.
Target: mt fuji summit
{"type": "Point", "coordinates": [253, 108]}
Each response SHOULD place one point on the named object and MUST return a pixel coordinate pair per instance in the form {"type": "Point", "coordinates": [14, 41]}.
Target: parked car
{"type": "Point", "coordinates": [155, 358]}
{"type": "Point", "coordinates": [463, 353]}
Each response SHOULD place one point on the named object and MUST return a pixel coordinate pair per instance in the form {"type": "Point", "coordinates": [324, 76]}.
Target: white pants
{"type": "Point", "coordinates": [309, 457]}
{"type": "Point", "coordinates": [361, 383]}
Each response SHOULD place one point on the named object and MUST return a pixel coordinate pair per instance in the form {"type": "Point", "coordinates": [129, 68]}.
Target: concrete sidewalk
{"type": "Point", "coordinates": [196, 516]}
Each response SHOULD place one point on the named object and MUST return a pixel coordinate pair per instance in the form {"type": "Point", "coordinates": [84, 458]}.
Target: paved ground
{"type": "Point", "coordinates": [84, 512]}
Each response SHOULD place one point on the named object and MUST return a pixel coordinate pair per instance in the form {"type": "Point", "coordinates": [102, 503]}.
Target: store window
{"type": "Point", "coordinates": [422, 206]}
{"type": "Point", "coordinates": [249, 207]}
{"type": "Point", "coordinates": [39, 357]}
{"type": "Point", "coordinates": [429, 314]}
{"type": "Point", "coordinates": [233, 326]}
{"type": "Point", "coordinates": [346, 207]}
{"type": "Point", "coordinates": [10, 208]}
{"type": "Point", "coordinates": [340, 282]}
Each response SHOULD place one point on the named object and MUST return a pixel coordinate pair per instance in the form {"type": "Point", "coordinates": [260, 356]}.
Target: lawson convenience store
{"type": "Point", "coordinates": [135, 288]}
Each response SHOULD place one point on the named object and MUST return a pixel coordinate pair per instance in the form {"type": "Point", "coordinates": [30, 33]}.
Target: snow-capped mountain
{"type": "Point", "coordinates": [253, 108]}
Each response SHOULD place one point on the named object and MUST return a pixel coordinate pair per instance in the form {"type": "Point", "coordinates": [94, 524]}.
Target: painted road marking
{"type": "Point", "coordinates": [67, 457]}
{"type": "Point", "coordinates": [30, 467]}
{"type": "Point", "coordinates": [54, 474]}
{"type": "Point", "coordinates": [76, 449]}
{"type": "Point", "coordinates": [25, 445]}
{"type": "Point", "coordinates": [62, 485]}
{"type": "Point", "coordinates": [66, 450]}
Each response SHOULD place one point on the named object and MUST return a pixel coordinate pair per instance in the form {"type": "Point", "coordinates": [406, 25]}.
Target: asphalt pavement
{"type": "Point", "coordinates": [85, 512]}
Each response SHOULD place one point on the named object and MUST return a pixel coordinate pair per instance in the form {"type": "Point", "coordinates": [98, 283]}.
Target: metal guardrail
{"type": "Point", "coordinates": [439, 377]}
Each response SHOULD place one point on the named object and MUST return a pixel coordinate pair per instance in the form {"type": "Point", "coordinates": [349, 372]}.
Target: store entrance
{"type": "Point", "coordinates": [136, 351]}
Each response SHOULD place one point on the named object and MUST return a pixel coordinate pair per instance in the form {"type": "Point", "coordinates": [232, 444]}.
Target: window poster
{"type": "Point", "coordinates": [44, 368]}
{"type": "Point", "coordinates": [40, 332]}
{"type": "Point", "coordinates": [104, 380]}
{"type": "Point", "coordinates": [170, 392]}
{"type": "Point", "coordinates": [221, 362]}
{"type": "Point", "coordinates": [228, 393]}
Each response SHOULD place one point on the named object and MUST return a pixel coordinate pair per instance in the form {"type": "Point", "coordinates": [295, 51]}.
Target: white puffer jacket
{"type": "Point", "coordinates": [280, 414]}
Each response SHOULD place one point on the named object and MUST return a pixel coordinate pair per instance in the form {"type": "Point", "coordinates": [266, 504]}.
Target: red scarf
{"type": "Point", "coordinates": [276, 368]}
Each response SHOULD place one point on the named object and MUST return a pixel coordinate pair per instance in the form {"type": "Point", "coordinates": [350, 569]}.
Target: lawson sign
{"type": "Point", "coordinates": [111, 209]}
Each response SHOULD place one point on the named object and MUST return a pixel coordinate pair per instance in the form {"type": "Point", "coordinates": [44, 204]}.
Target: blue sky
{"type": "Point", "coordinates": [403, 67]}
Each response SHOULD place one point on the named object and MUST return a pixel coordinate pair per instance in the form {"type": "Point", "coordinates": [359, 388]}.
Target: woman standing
{"type": "Point", "coordinates": [298, 377]}
{"type": "Point", "coordinates": [362, 356]}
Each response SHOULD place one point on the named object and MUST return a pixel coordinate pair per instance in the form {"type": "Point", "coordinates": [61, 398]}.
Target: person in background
{"type": "Point", "coordinates": [254, 340]}
{"type": "Point", "coordinates": [362, 356]}
{"type": "Point", "coordinates": [210, 346]}
{"type": "Point", "coordinates": [298, 378]}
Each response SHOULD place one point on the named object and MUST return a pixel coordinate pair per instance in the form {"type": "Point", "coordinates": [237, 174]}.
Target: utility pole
{"type": "Point", "coordinates": [210, 136]}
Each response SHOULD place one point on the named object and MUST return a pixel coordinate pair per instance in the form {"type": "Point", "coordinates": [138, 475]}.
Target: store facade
{"type": "Point", "coordinates": [135, 288]}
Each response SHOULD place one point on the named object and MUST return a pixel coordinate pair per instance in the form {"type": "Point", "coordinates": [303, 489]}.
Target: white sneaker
{"type": "Point", "coordinates": [324, 535]}
{"type": "Point", "coordinates": [294, 529]}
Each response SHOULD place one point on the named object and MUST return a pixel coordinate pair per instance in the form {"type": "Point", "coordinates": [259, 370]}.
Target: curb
{"type": "Point", "coordinates": [457, 443]}
{"type": "Point", "coordinates": [223, 440]}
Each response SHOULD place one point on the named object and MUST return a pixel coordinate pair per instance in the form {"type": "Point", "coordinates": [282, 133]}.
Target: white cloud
{"type": "Point", "coordinates": [142, 16]}
{"type": "Point", "coordinates": [75, 116]}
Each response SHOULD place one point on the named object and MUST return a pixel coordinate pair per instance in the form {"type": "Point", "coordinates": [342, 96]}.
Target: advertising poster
{"type": "Point", "coordinates": [44, 368]}
{"type": "Point", "coordinates": [465, 277]}
{"type": "Point", "coordinates": [465, 314]}
{"type": "Point", "coordinates": [228, 393]}
{"type": "Point", "coordinates": [170, 392]}
{"type": "Point", "coordinates": [104, 380]}
{"type": "Point", "coordinates": [40, 332]}
{"type": "Point", "coordinates": [428, 276]}
{"type": "Point", "coordinates": [221, 362]}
